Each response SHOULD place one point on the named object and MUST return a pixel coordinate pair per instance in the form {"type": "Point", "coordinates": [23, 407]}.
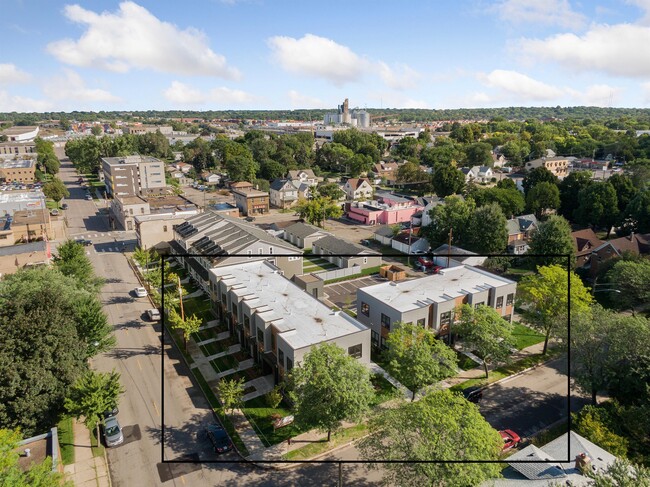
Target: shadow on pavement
{"type": "Point", "coordinates": [124, 353]}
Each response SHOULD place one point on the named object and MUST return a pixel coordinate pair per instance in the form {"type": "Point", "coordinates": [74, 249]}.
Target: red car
{"type": "Point", "coordinates": [510, 439]}
{"type": "Point", "coordinates": [425, 261]}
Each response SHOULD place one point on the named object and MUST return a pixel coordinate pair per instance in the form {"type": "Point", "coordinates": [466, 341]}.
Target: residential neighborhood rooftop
{"type": "Point", "coordinates": [17, 163]}
{"type": "Point", "coordinates": [300, 319]}
{"type": "Point", "coordinates": [447, 284]}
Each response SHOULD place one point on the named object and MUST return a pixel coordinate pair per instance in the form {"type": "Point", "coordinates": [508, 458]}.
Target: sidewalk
{"type": "Point", "coordinates": [87, 471]}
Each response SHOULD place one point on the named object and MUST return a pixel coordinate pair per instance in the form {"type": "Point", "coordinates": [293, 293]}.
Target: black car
{"type": "Point", "coordinates": [64, 206]}
{"type": "Point", "coordinates": [250, 218]}
{"type": "Point", "coordinates": [84, 242]}
{"type": "Point", "coordinates": [110, 413]}
{"type": "Point", "coordinates": [219, 438]}
{"type": "Point", "coordinates": [473, 394]}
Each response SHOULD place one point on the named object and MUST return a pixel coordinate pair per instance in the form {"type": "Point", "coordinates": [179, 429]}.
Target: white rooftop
{"type": "Point", "coordinates": [300, 319]}
{"type": "Point", "coordinates": [448, 284]}
{"type": "Point", "coordinates": [14, 196]}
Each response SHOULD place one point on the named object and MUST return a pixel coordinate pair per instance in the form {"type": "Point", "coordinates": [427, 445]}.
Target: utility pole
{"type": "Point", "coordinates": [449, 247]}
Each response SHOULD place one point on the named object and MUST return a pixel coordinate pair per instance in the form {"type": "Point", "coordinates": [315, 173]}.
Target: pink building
{"type": "Point", "coordinates": [372, 213]}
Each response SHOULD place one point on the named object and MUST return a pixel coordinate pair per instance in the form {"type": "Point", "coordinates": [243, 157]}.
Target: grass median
{"type": "Point", "coordinates": [321, 446]}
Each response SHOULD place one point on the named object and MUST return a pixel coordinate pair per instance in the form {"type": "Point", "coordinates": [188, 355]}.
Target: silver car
{"type": "Point", "coordinates": [113, 432]}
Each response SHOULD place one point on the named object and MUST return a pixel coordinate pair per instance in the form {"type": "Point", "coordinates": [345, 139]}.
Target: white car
{"type": "Point", "coordinates": [140, 292]}
{"type": "Point", "coordinates": [153, 314]}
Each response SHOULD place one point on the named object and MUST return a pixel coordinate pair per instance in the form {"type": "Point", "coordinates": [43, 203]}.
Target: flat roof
{"type": "Point", "coordinates": [19, 129]}
{"type": "Point", "coordinates": [15, 196]}
{"type": "Point", "coordinates": [301, 320]}
{"type": "Point", "coordinates": [448, 284]}
{"type": "Point", "coordinates": [250, 192]}
{"type": "Point", "coordinates": [134, 159]}
{"type": "Point", "coordinates": [17, 163]}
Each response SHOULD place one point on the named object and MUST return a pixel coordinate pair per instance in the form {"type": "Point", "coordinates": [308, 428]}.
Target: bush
{"type": "Point", "coordinates": [592, 423]}
{"type": "Point", "coordinates": [274, 397]}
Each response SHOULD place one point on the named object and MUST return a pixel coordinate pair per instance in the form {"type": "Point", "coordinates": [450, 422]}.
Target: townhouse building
{"type": "Point", "coordinates": [276, 322]}
{"type": "Point", "coordinates": [431, 301]}
{"type": "Point", "coordinates": [133, 175]}
{"type": "Point", "coordinates": [303, 235]}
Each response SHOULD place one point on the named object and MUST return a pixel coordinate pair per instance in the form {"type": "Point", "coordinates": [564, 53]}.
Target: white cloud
{"type": "Point", "coordinates": [14, 103]}
{"type": "Point", "coordinates": [614, 49]}
{"type": "Point", "coordinates": [643, 5]}
{"type": "Point", "coordinates": [395, 100]}
{"type": "Point", "coordinates": [182, 94]}
{"type": "Point", "coordinates": [519, 85]}
{"type": "Point", "coordinates": [134, 38]}
{"type": "Point", "coordinates": [71, 86]}
{"type": "Point", "coordinates": [399, 78]}
{"type": "Point", "coordinates": [298, 100]}
{"type": "Point", "coordinates": [645, 87]}
{"type": "Point", "coordinates": [10, 74]}
{"type": "Point", "coordinates": [550, 12]}
{"type": "Point", "coordinates": [596, 95]}
{"type": "Point", "coordinates": [318, 57]}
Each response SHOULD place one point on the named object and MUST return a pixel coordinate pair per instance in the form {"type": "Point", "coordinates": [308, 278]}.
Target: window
{"type": "Point", "coordinates": [385, 321]}
{"type": "Point", "coordinates": [479, 304]}
{"type": "Point", "coordinates": [500, 302]}
{"type": "Point", "coordinates": [421, 322]}
{"type": "Point", "coordinates": [445, 318]}
{"type": "Point", "coordinates": [250, 254]}
{"type": "Point", "coordinates": [164, 228]}
{"type": "Point", "coordinates": [355, 351]}
{"type": "Point", "coordinates": [374, 338]}
{"type": "Point", "coordinates": [365, 260]}
{"type": "Point", "coordinates": [260, 251]}
{"type": "Point", "coordinates": [280, 357]}
{"type": "Point", "coordinates": [365, 309]}
{"type": "Point", "coordinates": [270, 250]}
{"type": "Point", "coordinates": [289, 364]}
{"type": "Point", "coordinates": [260, 336]}
{"type": "Point", "coordinates": [509, 299]}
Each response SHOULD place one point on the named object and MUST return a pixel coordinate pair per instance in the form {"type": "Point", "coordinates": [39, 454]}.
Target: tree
{"type": "Point", "coordinates": [453, 215]}
{"type": "Point", "coordinates": [631, 279]}
{"type": "Point", "coordinates": [552, 236]}
{"type": "Point", "coordinates": [442, 426]}
{"type": "Point", "coordinates": [478, 154]}
{"type": "Point", "coordinates": [96, 130]}
{"type": "Point", "coordinates": [231, 393]}
{"type": "Point", "coordinates": [621, 474]}
{"type": "Point", "coordinates": [542, 197]}
{"type": "Point", "coordinates": [629, 380]}
{"type": "Point", "coordinates": [416, 358]}
{"type": "Point", "coordinates": [92, 326]}
{"type": "Point", "coordinates": [536, 176]}
{"type": "Point", "coordinates": [638, 212]}
{"type": "Point", "coordinates": [545, 296]}
{"type": "Point", "coordinates": [55, 190]}
{"type": "Point", "coordinates": [41, 353]}
{"type": "Point", "coordinates": [334, 157]}
{"type": "Point", "coordinates": [13, 475]}
{"type": "Point", "coordinates": [570, 188]}
{"type": "Point", "coordinates": [274, 397]}
{"type": "Point", "coordinates": [598, 206]}
{"type": "Point", "coordinates": [188, 324]}
{"type": "Point", "coordinates": [484, 330]}
{"type": "Point", "coordinates": [625, 190]}
{"type": "Point", "coordinates": [72, 261]}
{"type": "Point", "coordinates": [511, 200]}
{"type": "Point", "coordinates": [589, 422]}
{"type": "Point", "coordinates": [317, 210]}
{"type": "Point", "coordinates": [487, 230]}
{"type": "Point", "coordinates": [143, 257]}
{"type": "Point", "coordinates": [330, 190]}
{"type": "Point", "coordinates": [93, 394]}
{"type": "Point", "coordinates": [447, 180]}
{"type": "Point", "coordinates": [330, 387]}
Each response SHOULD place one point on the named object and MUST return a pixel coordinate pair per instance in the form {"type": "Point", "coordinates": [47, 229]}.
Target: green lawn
{"type": "Point", "coordinates": [198, 306]}
{"type": "Point", "coordinates": [384, 390]}
{"type": "Point", "coordinates": [525, 337]}
{"type": "Point", "coordinates": [321, 446]}
{"type": "Point", "coordinates": [66, 440]}
{"type": "Point", "coordinates": [98, 451]}
{"type": "Point", "coordinates": [464, 362]}
{"type": "Point", "coordinates": [260, 416]}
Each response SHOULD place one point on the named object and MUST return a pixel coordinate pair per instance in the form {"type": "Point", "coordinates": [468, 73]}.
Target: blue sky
{"type": "Point", "coordinates": [283, 54]}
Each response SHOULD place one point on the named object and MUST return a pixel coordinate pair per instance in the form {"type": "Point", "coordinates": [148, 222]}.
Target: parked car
{"type": "Point", "coordinates": [111, 413]}
{"type": "Point", "coordinates": [250, 218]}
{"type": "Point", "coordinates": [54, 212]}
{"type": "Point", "coordinates": [89, 197]}
{"type": "Point", "coordinates": [140, 292]}
{"type": "Point", "coordinates": [418, 252]}
{"type": "Point", "coordinates": [365, 242]}
{"type": "Point", "coordinates": [112, 432]}
{"type": "Point", "coordinates": [510, 439]}
{"type": "Point", "coordinates": [473, 394]}
{"type": "Point", "coordinates": [84, 242]}
{"type": "Point", "coordinates": [153, 314]}
{"type": "Point", "coordinates": [64, 206]}
{"type": "Point", "coordinates": [219, 438]}
{"type": "Point", "coordinates": [426, 262]}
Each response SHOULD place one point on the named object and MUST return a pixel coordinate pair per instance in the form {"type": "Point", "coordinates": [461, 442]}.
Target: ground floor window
{"type": "Point", "coordinates": [355, 351]}
{"type": "Point", "coordinates": [374, 338]}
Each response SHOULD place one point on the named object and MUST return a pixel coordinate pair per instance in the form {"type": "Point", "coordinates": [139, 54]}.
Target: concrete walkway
{"type": "Point", "coordinates": [87, 471]}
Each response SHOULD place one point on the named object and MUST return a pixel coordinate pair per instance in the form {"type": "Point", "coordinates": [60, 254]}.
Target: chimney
{"type": "Point", "coordinates": [583, 463]}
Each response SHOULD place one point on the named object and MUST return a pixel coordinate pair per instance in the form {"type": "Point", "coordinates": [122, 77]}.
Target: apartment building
{"type": "Point", "coordinates": [251, 201]}
{"type": "Point", "coordinates": [13, 149]}
{"type": "Point", "coordinates": [133, 175]}
{"type": "Point", "coordinates": [276, 322]}
{"type": "Point", "coordinates": [559, 166]}
{"type": "Point", "coordinates": [215, 240]}
{"type": "Point", "coordinates": [21, 170]}
{"type": "Point", "coordinates": [431, 301]}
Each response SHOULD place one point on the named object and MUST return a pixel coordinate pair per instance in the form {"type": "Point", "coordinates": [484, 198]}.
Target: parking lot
{"type": "Point", "coordinates": [344, 294]}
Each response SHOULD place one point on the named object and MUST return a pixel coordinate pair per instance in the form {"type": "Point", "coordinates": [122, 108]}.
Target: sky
{"type": "Point", "coordinates": [285, 54]}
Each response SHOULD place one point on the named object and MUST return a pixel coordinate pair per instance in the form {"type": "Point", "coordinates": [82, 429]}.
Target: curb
{"type": "Point", "coordinates": [108, 471]}
{"type": "Point", "coordinates": [521, 372]}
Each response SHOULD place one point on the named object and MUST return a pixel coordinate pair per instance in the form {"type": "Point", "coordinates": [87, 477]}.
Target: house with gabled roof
{"type": "Point", "coordinates": [520, 229]}
{"type": "Point", "coordinates": [285, 193]}
{"type": "Point", "coordinates": [358, 188]}
{"type": "Point", "coordinates": [216, 240]}
{"type": "Point", "coordinates": [303, 235]}
{"type": "Point", "coordinates": [303, 176]}
{"type": "Point", "coordinates": [345, 254]}
{"type": "Point", "coordinates": [584, 242]}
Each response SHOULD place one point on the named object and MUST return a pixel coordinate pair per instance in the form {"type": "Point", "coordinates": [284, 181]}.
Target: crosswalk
{"type": "Point", "coordinates": [100, 234]}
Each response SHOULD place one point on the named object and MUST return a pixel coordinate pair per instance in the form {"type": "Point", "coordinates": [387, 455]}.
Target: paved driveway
{"type": "Point", "coordinates": [344, 294]}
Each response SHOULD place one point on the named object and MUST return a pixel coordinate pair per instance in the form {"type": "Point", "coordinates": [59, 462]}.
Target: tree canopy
{"type": "Point", "coordinates": [552, 236]}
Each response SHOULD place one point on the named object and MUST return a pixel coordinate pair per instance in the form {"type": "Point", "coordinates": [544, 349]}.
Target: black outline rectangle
{"type": "Point", "coordinates": [352, 462]}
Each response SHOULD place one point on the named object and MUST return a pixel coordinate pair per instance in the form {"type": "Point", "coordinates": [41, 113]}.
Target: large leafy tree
{"type": "Point", "coordinates": [591, 422]}
{"type": "Point", "coordinates": [92, 325]}
{"type": "Point", "coordinates": [447, 180]}
{"type": "Point", "coordinates": [632, 281]}
{"type": "Point", "coordinates": [93, 394]}
{"type": "Point", "coordinates": [416, 358]}
{"type": "Point", "coordinates": [12, 473]}
{"type": "Point", "coordinates": [478, 154]}
{"type": "Point", "coordinates": [41, 353]}
{"type": "Point", "coordinates": [334, 157]}
{"type": "Point", "coordinates": [625, 190]}
{"type": "Point", "coordinates": [598, 206]}
{"type": "Point", "coordinates": [485, 330]}
{"type": "Point", "coordinates": [453, 215]}
{"type": "Point", "coordinates": [552, 236]}
{"type": "Point", "coordinates": [536, 176]}
{"type": "Point", "coordinates": [542, 197]}
{"type": "Point", "coordinates": [330, 190]}
{"type": "Point", "coordinates": [230, 393]}
{"type": "Point", "coordinates": [442, 426]}
{"type": "Point", "coordinates": [545, 298]}
{"type": "Point", "coordinates": [510, 199]}
{"type": "Point", "coordinates": [330, 387]}
{"type": "Point", "coordinates": [72, 261]}
{"type": "Point", "coordinates": [487, 230]}
{"type": "Point", "coordinates": [570, 188]}
{"type": "Point", "coordinates": [317, 210]}
{"type": "Point", "coordinates": [55, 190]}
{"type": "Point", "coordinates": [638, 212]}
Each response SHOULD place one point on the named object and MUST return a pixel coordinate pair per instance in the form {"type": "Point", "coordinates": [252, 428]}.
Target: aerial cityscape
{"type": "Point", "coordinates": [262, 243]}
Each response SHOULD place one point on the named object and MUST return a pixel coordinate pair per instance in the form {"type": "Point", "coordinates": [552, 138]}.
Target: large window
{"type": "Point", "coordinates": [445, 318]}
{"type": "Point", "coordinates": [421, 322]}
{"type": "Point", "coordinates": [365, 309]}
{"type": "Point", "coordinates": [374, 338]}
{"type": "Point", "coordinates": [509, 299]}
{"type": "Point", "coordinates": [500, 302]}
{"type": "Point", "coordinates": [355, 351]}
{"type": "Point", "coordinates": [289, 364]}
{"type": "Point", "coordinates": [260, 336]}
{"type": "Point", "coordinates": [385, 321]}
{"type": "Point", "coordinates": [280, 357]}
